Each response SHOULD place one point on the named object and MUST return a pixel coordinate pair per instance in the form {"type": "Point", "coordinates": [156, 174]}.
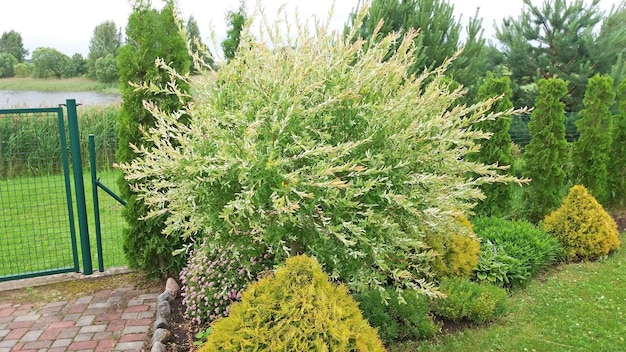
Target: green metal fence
{"type": "Point", "coordinates": [46, 201]}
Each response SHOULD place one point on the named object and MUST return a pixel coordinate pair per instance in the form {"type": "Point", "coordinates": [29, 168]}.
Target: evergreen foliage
{"type": "Point", "coordinates": [236, 21]}
{"type": "Point", "coordinates": [457, 252]}
{"type": "Point", "coordinates": [473, 301]}
{"type": "Point", "coordinates": [151, 34]}
{"type": "Point", "coordinates": [296, 310]}
{"type": "Point", "coordinates": [557, 40]}
{"type": "Point", "coordinates": [546, 154]}
{"type": "Point", "coordinates": [590, 156]}
{"type": "Point", "coordinates": [584, 229]}
{"type": "Point", "coordinates": [617, 158]}
{"type": "Point", "coordinates": [320, 148]}
{"type": "Point", "coordinates": [197, 46]}
{"type": "Point", "coordinates": [398, 320]}
{"type": "Point", "coordinates": [497, 149]}
{"type": "Point", "coordinates": [438, 39]}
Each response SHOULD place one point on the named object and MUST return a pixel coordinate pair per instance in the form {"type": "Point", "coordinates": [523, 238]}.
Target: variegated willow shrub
{"type": "Point", "coordinates": [215, 277]}
{"type": "Point", "coordinates": [316, 143]}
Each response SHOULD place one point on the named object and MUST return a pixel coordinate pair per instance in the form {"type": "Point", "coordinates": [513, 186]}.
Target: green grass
{"type": "Point", "coordinates": [34, 225]}
{"type": "Point", "coordinates": [58, 85]}
{"type": "Point", "coordinates": [576, 307]}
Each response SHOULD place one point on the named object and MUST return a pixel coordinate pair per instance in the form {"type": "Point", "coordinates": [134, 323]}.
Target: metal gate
{"type": "Point", "coordinates": [37, 225]}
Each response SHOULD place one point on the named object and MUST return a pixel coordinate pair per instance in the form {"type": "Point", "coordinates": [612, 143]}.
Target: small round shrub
{"type": "Point", "coordinates": [22, 69]}
{"type": "Point", "coordinates": [215, 277]}
{"type": "Point", "coordinates": [584, 229]}
{"type": "Point", "coordinates": [513, 251]}
{"type": "Point", "coordinates": [476, 302]}
{"type": "Point", "coordinates": [298, 309]}
{"type": "Point", "coordinates": [395, 320]}
{"type": "Point", "coordinates": [457, 252]}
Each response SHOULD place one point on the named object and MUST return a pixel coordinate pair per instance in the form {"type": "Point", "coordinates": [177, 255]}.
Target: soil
{"type": "Point", "coordinates": [182, 332]}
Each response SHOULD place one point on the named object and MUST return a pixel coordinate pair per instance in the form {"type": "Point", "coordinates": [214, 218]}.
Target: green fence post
{"type": "Point", "coordinates": [79, 185]}
{"type": "Point", "coordinates": [96, 202]}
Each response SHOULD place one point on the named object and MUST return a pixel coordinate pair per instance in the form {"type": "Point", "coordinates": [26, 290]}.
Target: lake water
{"type": "Point", "coordinates": [30, 99]}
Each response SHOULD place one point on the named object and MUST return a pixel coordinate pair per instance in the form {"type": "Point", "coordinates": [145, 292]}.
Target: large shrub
{"type": "Point", "coordinates": [398, 320]}
{"type": "Point", "coordinates": [297, 310]}
{"type": "Point", "coordinates": [7, 65]}
{"type": "Point", "coordinates": [320, 148]}
{"type": "Point", "coordinates": [472, 301]}
{"type": "Point", "coordinates": [214, 278]}
{"type": "Point", "coordinates": [617, 156]}
{"type": "Point", "coordinates": [584, 229]}
{"type": "Point", "coordinates": [513, 251]}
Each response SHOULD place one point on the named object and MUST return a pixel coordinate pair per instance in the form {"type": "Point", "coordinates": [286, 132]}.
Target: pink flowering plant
{"type": "Point", "coordinates": [214, 278]}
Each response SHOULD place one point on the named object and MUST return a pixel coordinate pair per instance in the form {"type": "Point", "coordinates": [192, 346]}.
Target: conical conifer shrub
{"type": "Point", "coordinates": [298, 309]}
{"type": "Point", "coordinates": [582, 226]}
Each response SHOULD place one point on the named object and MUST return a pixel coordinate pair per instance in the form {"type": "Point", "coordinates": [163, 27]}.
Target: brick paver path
{"type": "Point", "coordinates": [117, 320]}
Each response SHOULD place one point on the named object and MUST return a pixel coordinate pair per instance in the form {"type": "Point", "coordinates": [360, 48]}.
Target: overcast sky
{"type": "Point", "coordinates": [67, 25]}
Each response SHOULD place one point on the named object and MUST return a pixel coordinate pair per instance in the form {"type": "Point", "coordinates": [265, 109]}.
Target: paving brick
{"type": "Point", "coordinates": [4, 332]}
{"type": "Point", "coordinates": [4, 320]}
{"type": "Point", "coordinates": [68, 333]}
{"type": "Point", "coordinates": [28, 306]}
{"type": "Point", "coordinates": [92, 328]}
{"type": "Point", "coordinates": [138, 322]}
{"type": "Point", "coordinates": [105, 345]}
{"type": "Point", "coordinates": [8, 343]}
{"type": "Point", "coordinates": [129, 316]}
{"type": "Point", "coordinates": [133, 337]}
{"type": "Point", "coordinates": [72, 316]}
{"type": "Point", "coordinates": [116, 325]}
{"type": "Point", "coordinates": [82, 345]}
{"type": "Point", "coordinates": [105, 293]}
{"type": "Point", "coordinates": [36, 345]}
{"type": "Point", "coordinates": [85, 320]}
{"type": "Point", "coordinates": [134, 302]}
{"type": "Point", "coordinates": [137, 309]}
{"type": "Point", "coordinates": [57, 349]}
{"type": "Point", "coordinates": [31, 336]}
{"type": "Point", "coordinates": [108, 317]}
{"type": "Point", "coordinates": [20, 324]}
{"type": "Point", "coordinates": [16, 334]}
{"type": "Point", "coordinates": [50, 334]}
{"type": "Point", "coordinates": [5, 349]}
{"type": "Point", "coordinates": [62, 324]}
{"type": "Point", "coordinates": [62, 343]}
{"type": "Point", "coordinates": [5, 305]}
{"type": "Point", "coordinates": [77, 308]}
{"type": "Point", "coordinates": [84, 300]}
{"type": "Point", "coordinates": [102, 335]}
{"type": "Point", "coordinates": [5, 312]}
{"type": "Point", "coordinates": [84, 337]}
{"type": "Point", "coordinates": [114, 299]}
{"type": "Point", "coordinates": [55, 304]}
{"type": "Point", "coordinates": [136, 329]}
{"type": "Point", "coordinates": [129, 346]}
{"type": "Point", "coordinates": [144, 315]}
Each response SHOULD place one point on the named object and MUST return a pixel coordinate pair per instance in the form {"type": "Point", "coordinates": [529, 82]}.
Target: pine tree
{"type": "Point", "coordinates": [151, 34]}
{"type": "Point", "coordinates": [236, 22]}
{"type": "Point", "coordinates": [591, 151]}
{"type": "Point", "coordinates": [546, 154]}
{"type": "Point", "coordinates": [617, 159]}
{"type": "Point", "coordinates": [497, 149]}
{"type": "Point", "coordinates": [196, 44]}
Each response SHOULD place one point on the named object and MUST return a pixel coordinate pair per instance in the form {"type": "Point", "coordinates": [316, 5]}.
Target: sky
{"type": "Point", "coordinates": [67, 25]}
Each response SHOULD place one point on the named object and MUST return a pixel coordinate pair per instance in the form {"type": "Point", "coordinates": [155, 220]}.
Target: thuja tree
{"type": "Point", "coordinates": [320, 148]}
{"type": "Point", "coordinates": [151, 34]}
{"type": "Point", "coordinates": [617, 157]}
{"type": "Point", "coordinates": [591, 151]}
{"type": "Point", "coordinates": [497, 149]}
{"type": "Point", "coordinates": [546, 154]}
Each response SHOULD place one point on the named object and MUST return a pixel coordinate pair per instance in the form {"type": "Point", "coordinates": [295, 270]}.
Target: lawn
{"type": "Point", "coordinates": [34, 225]}
{"type": "Point", "coordinates": [58, 85]}
{"type": "Point", "coordinates": [574, 307]}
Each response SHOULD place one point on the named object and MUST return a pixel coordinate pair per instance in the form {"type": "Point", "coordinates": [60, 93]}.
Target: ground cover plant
{"type": "Point", "coordinates": [513, 251]}
{"type": "Point", "coordinates": [319, 147]}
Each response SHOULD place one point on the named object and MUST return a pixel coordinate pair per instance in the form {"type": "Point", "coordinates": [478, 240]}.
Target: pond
{"type": "Point", "coordinates": [10, 99]}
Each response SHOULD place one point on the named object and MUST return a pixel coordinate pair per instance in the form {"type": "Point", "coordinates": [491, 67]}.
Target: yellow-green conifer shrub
{"type": "Point", "coordinates": [584, 229]}
{"type": "Point", "coordinates": [298, 309]}
{"type": "Point", "coordinates": [457, 252]}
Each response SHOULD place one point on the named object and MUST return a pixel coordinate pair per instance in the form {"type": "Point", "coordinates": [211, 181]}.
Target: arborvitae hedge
{"type": "Point", "coordinates": [151, 34]}
{"type": "Point", "coordinates": [617, 158]}
{"type": "Point", "coordinates": [497, 149]}
{"type": "Point", "coordinates": [591, 151]}
{"type": "Point", "coordinates": [546, 154]}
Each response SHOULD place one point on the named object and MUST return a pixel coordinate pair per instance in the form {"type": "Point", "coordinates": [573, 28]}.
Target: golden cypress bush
{"type": "Point", "coordinates": [584, 229]}
{"type": "Point", "coordinates": [298, 309]}
{"type": "Point", "coordinates": [457, 252]}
